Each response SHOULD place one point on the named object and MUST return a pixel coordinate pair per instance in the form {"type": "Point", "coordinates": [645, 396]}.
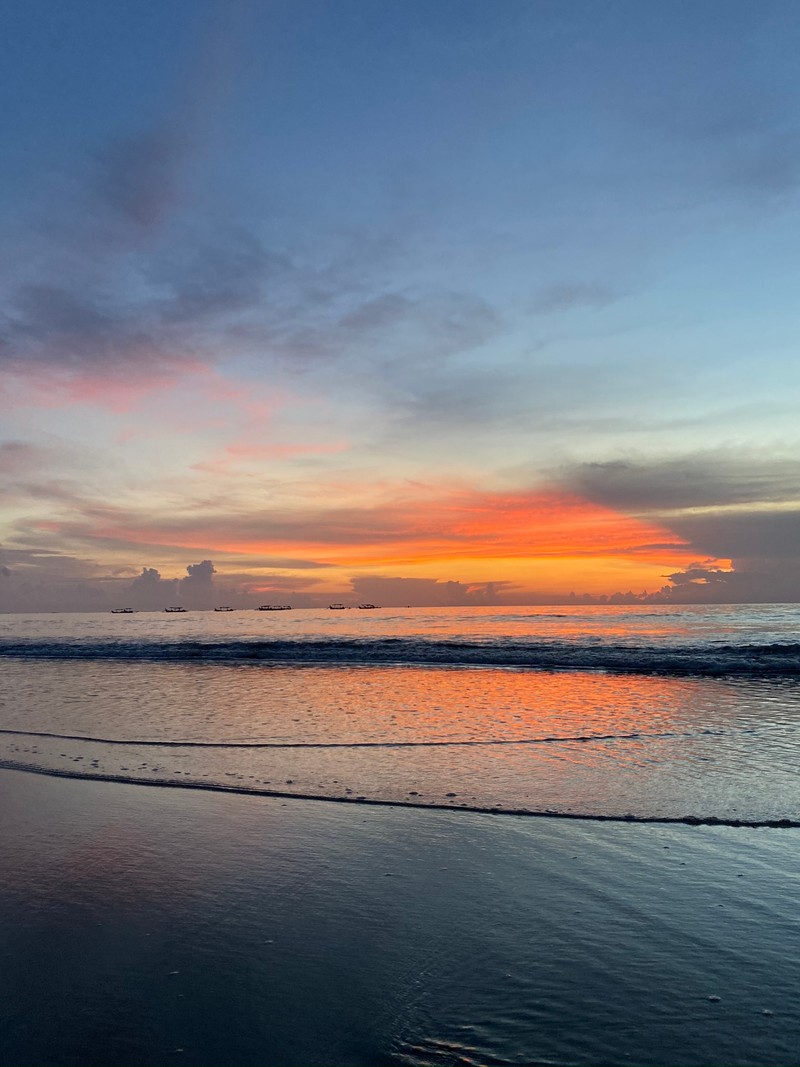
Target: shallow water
{"type": "Point", "coordinates": [142, 926]}
{"type": "Point", "coordinates": [174, 700]}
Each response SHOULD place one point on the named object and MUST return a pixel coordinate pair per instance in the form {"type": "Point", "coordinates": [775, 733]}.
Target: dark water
{"type": "Point", "coordinates": [746, 640]}
{"type": "Point", "coordinates": [146, 927]}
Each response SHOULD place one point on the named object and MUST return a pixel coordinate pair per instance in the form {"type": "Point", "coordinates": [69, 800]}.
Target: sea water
{"type": "Point", "coordinates": [643, 712]}
{"type": "Point", "coordinates": [224, 919]}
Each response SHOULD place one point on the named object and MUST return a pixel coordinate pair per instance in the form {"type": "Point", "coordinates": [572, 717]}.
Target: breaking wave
{"type": "Point", "coordinates": [708, 660]}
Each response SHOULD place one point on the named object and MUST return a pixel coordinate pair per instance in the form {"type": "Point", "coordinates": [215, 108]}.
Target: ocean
{"type": "Point", "coordinates": [613, 712]}
{"type": "Point", "coordinates": [456, 836]}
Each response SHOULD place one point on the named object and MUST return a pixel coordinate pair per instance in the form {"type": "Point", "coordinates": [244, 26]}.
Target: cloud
{"type": "Point", "coordinates": [764, 533]}
{"type": "Point", "coordinates": [137, 175]}
{"type": "Point", "coordinates": [98, 308]}
{"type": "Point", "coordinates": [546, 397]}
{"type": "Point", "coordinates": [212, 277]}
{"type": "Point", "coordinates": [197, 588]}
{"type": "Point", "coordinates": [150, 591]}
{"type": "Point", "coordinates": [40, 580]}
{"type": "Point", "coordinates": [19, 458]}
{"type": "Point", "coordinates": [704, 479]}
{"type": "Point", "coordinates": [424, 592]}
{"type": "Point", "coordinates": [409, 523]}
{"type": "Point", "coordinates": [733, 506]}
{"type": "Point", "coordinates": [402, 332]}
{"type": "Point", "coordinates": [142, 318]}
{"type": "Point", "coordinates": [569, 296]}
{"type": "Point", "coordinates": [50, 326]}
{"type": "Point", "coordinates": [746, 581]}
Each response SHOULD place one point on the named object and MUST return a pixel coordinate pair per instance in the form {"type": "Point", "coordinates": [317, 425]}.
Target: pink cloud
{"type": "Point", "coordinates": [50, 389]}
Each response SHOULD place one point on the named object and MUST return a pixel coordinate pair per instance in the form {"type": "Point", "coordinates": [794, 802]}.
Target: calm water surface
{"type": "Point", "coordinates": [650, 713]}
{"type": "Point", "coordinates": [143, 927]}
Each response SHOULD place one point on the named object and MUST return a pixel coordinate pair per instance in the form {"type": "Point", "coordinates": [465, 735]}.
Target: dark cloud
{"type": "Point", "coordinates": [200, 573]}
{"type": "Point", "coordinates": [749, 581]}
{"type": "Point", "coordinates": [197, 588]}
{"type": "Point", "coordinates": [150, 591]}
{"type": "Point", "coordinates": [759, 534]}
{"type": "Point", "coordinates": [703, 479]}
{"type": "Point", "coordinates": [98, 299]}
{"type": "Point", "coordinates": [36, 579]}
{"type": "Point", "coordinates": [161, 310]}
{"type": "Point", "coordinates": [726, 505]}
{"type": "Point", "coordinates": [53, 326]}
{"type": "Point", "coordinates": [40, 580]}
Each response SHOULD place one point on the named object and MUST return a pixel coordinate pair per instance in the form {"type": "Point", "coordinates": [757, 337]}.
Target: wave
{"type": "Point", "coordinates": [774, 659]}
{"type": "Point", "coordinates": [548, 813]}
{"type": "Point", "coordinates": [468, 743]}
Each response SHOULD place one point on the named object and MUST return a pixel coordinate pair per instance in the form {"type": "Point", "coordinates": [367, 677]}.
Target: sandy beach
{"type": "Point", "coordinates": [154, 926]}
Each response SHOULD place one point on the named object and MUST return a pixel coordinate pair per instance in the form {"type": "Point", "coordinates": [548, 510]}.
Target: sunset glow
{"type": "Point", "coordinates": [428, 335]}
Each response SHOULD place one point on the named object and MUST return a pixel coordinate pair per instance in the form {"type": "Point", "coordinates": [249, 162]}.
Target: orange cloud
{"type": "Point", "coordinates": [548, 537]}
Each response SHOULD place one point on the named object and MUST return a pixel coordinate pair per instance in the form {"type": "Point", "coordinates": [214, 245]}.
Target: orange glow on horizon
{"type": "Point", "coordinates": [553, 539]}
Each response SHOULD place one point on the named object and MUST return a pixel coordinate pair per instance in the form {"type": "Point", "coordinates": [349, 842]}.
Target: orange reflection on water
{"type": "Point", "coordinates": [520, 739]}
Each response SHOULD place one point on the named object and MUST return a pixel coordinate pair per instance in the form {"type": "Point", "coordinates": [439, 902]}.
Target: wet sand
{"type": "Point", "coordinates": [154, 926]}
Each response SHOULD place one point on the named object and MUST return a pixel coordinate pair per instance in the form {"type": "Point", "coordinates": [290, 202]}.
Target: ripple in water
{"type": "Point", "coordinates": [568, 743]}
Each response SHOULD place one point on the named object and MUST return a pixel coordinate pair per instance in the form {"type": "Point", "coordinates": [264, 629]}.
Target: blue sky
{"type": "Point", "coordinates": [332, 294]}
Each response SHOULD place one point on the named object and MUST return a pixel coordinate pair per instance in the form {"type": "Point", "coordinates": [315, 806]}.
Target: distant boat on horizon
{"type": "Point", "coordinates": [122, 611]}
{"type": "Point", "coordinates": [173, 611]}
{"type": "Point", "coordinates": [225, 608]}
{"type": "Point", "coordinates": [336, 607]}
{"type": "Point", "coordinates": [274, 607]}
{"type": "Point", "coordinates": [367, 607]}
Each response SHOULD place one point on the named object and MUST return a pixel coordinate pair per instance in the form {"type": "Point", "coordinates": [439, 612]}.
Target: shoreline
{"type": "Point", "coordinates": [365, 801]}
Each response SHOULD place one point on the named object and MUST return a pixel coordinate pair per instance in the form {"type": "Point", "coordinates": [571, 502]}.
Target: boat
{"type": "Point", "coordinates": [173, 611]}
{"type": "Point", "coordinates": [274, 607]}
{"type": "Point", "coordinates": [367, 607]}
{"type": "Point", "coordinates": [225, 608]}
{"type": "Point", "coordinates": [336, 607]}
{"type": "Point", "coordinates": [122, 611]}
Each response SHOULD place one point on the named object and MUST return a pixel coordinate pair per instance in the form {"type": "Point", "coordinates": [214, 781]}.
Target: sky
{"type": "Point", "coordinates": [401, 301]}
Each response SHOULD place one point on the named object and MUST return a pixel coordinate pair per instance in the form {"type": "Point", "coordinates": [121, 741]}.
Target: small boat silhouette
{"type": "Point", "coordinates": [122, 611]}
{"type": "Point", "coordinates": [224, 608]}
{"type": "Point", "coordinates": [173, 611]}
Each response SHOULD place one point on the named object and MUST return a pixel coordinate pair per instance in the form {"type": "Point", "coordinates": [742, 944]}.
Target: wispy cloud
{"type": "Point", "coordinates": [568, 296]}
